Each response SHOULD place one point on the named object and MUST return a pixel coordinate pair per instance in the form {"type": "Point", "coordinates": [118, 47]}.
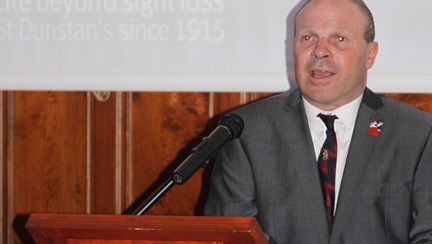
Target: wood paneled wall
{"type": "Point", "coordinates": [67, 152]}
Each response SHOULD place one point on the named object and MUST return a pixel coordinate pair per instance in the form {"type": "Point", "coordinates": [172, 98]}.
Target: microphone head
{"type": "Point", "coordinates": [234, 123]}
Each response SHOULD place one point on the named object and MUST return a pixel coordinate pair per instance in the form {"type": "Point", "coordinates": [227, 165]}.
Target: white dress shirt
{"type": "Point", "coordinates": [344, 127]}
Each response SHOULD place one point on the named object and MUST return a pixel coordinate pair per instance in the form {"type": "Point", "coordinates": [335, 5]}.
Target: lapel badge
{"type": "Point", "coordinates": [375, 128]}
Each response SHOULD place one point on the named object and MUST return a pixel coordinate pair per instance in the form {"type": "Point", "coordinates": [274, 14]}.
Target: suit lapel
{"type": "Point", "coordinates": [296, 129]}
{"type": "Point", "coordinates": [361, 148]}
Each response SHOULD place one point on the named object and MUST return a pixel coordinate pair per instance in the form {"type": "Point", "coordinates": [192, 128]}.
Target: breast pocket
{"type": "Point", "coordinates": [386, 189]}
{"type": "Point", "coordinates": [388, 206]}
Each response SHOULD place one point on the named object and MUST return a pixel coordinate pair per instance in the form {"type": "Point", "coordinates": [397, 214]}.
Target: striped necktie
{"type": "Point", "coordinates": [327, 165]}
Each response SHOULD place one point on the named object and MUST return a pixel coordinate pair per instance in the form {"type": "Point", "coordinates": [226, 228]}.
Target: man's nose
{"type": "Point", "coordinates": [321, 49]}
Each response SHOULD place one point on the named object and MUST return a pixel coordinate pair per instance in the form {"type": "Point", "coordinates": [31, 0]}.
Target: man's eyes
{"type": "Point", "coordinates": [336, 38]}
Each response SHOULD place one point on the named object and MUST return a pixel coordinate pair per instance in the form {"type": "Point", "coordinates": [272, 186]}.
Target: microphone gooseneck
{"type": "Point", "coordinates": [229, 127]}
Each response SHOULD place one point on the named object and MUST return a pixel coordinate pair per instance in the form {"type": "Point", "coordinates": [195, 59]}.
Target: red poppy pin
{"type": "Point", "coordinates": [375, 128]}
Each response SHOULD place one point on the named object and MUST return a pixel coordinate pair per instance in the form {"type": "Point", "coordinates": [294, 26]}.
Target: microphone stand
{"type": "Point", "coordinates": [199, 158]}
{"type": "Point", "coordinates": [230, 126]}
{"type": "Point", "coordinates": [155, 197]}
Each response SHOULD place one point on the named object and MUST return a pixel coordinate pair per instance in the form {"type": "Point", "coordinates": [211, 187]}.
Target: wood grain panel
{"type": "Point", "coordinates": [65, 152]}
{"type": "Point", "coordinates": [165, 128]}
{"type": "Point", "coordinates": [222, 103]}
{"type": "Point", "coordinates": [48, 163]}
{"type": "Point", "coordinates": [420, 101]}
{"type": "Point", "coordinates": [4, 213]}
{"type": "Point", "coordinates": [106, 150]}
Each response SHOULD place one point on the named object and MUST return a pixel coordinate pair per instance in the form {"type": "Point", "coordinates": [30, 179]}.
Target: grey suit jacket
{"type": "Point", "coordinates": [270, 173]}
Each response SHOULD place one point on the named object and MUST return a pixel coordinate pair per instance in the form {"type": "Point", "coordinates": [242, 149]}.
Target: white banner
{"type": "Point", "coordinates": [188, 45]}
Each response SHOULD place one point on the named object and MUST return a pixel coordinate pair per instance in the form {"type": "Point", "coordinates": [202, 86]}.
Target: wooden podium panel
{"type": "Point", "coordinates": [129, 229]}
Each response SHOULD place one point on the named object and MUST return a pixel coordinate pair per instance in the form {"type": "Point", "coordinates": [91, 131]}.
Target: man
{"type": "Point", "coordinates": [381, 190]}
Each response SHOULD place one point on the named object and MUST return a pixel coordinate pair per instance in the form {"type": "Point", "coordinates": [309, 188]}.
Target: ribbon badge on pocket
{"type": "Point", "coordinates": [375, 128]}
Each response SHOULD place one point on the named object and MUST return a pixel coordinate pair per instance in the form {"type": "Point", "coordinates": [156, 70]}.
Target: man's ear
{"type": "Point", "coordinates": [372, 53]}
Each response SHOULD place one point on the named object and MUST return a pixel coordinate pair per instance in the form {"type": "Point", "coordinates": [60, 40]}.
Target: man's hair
{"type": "Point", "coordinates": [369, 34]}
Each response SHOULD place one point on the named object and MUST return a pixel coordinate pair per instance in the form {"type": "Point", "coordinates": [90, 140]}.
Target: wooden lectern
{"type": "Point", "coordinates": [131, 229]}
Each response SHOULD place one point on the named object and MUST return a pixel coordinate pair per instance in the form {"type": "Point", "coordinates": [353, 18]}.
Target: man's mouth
{"type": "Point", "coordinates": [320, 73]}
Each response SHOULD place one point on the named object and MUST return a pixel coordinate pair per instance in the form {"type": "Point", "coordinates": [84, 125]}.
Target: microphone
{"type": "Point", "coordinates": [229, 127]}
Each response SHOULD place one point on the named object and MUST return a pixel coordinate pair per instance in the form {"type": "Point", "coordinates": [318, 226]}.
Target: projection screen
{"type": "Point", "coordinates": [189, 45]}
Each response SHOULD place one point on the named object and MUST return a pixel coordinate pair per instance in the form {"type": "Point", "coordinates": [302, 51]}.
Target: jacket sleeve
{"type": "Point", "coordinates": [232, 190]}
{"type": "Point", "coordinates": [421, 228]}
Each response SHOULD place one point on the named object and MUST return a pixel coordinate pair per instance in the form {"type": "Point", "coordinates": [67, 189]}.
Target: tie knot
{"type": "Point", "coordinates": [328, 120]}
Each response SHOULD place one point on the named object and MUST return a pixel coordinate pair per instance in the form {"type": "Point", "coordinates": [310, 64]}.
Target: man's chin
{"type": "Point", "coordinates": [321, 100]}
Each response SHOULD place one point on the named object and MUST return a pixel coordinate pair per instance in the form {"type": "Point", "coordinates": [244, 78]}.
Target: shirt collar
{"type": "Point", "coordinates": [346, 114]}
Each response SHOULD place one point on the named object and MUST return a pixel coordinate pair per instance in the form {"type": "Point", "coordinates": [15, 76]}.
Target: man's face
{"type": "Point", "coordinates": [330, 52]}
